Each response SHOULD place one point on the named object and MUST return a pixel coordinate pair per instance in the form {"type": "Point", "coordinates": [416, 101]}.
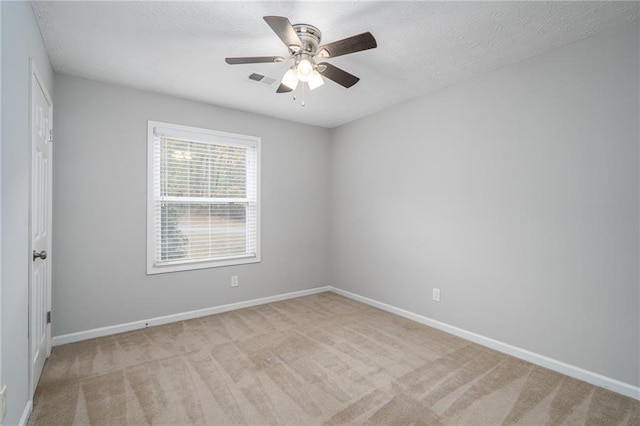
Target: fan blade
{"type": "Point", "coordinates": [283, 29]}
{"type": "Point", "coordinates": [338, 75]}
{"type": "Point", "coordinates": [348, 45]}
{"type": "Point", "coordinates": [283, 89]}
{"type": "Point", "coordinates": [253, 60]}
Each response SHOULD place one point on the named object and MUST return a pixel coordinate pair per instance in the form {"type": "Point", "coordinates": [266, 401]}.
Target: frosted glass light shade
{"type": "Point", "coordinates": [315, 81]}
{"type": "Point", "coordinates": [305, 70]}
{"type": "Point", "coordinates": [290, 79]}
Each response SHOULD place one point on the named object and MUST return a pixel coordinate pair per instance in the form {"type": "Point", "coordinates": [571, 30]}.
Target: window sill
{"type": "Point", "coordinates": [189, 266]}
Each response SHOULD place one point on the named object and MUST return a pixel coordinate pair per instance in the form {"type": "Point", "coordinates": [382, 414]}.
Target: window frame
{"type": "Point", "coordinates": [206, 135]}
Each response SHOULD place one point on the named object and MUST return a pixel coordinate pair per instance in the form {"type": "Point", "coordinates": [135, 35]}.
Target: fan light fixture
{"type": "Point", "coordinates": [305, 71]}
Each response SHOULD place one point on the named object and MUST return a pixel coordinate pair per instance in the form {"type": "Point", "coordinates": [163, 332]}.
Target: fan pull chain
{"type": "Point", "coordinates": [302, 94]}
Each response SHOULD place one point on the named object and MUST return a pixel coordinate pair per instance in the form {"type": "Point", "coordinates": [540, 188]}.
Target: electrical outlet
{"type": "Point", "coordinates": [3, 403]}
{"type": "Point", "coordinates": [234, 281]}
{"type": "Point", "coordinates": [436, 294]}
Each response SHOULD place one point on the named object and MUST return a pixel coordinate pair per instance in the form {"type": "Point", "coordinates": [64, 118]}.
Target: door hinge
{"type": "Point", "coordinates": [49, 317]}
{"type": "Point", "coordinates": [50, 135]}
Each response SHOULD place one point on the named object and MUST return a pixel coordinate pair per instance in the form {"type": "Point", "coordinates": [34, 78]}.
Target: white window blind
{"type": "Point", "coordinates": [205, 204]}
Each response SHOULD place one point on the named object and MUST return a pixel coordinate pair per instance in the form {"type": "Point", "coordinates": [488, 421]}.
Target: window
{"type": "Point", "coordinates": [203, 200]}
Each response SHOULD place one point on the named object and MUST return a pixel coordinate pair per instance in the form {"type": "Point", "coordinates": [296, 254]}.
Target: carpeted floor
{"type": "Point", "coordinates": [311, 360]}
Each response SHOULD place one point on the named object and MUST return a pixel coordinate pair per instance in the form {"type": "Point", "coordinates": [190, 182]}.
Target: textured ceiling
{"type": "Point", "coordinates": [179, 48]}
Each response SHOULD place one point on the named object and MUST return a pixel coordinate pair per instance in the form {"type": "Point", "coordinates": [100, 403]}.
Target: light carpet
{"type": "Point", "coordinates": [321, 359]}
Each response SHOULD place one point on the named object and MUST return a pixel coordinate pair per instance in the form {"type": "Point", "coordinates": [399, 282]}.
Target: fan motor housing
{"type": "Point", "coordinates": [310, 37]}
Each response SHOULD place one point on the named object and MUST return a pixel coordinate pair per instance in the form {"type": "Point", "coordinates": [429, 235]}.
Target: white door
{"type": "Point", "coordinates": [40, 288]}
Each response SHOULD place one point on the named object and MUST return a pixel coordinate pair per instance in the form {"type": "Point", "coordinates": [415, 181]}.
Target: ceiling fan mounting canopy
{"type": "Point", "coordinates": [303, 43]}
{"type": "Point", "coordinates": [310, 37]}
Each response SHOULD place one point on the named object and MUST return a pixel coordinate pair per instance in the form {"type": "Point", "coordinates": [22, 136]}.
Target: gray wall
{"type": "Point", "coordinates": [99, 209]}
{"type": "Point", "coordinates": [515, 193]}
{"type": "Point", "coordinates": [20, 40]}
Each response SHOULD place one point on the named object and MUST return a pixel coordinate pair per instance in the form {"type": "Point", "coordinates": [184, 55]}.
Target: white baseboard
{"type": "Point", "coordinates": [541, 360]}
{"type": "Point", "coordinates": [136, 325]}
{"type": "Point", "coordinates": [532, 357]}
{"type": "Point", "coordinates": [26, 413]}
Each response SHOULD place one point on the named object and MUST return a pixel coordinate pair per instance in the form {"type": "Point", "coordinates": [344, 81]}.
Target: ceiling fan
{"type": "Point", "coordinates": [303, 42]}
